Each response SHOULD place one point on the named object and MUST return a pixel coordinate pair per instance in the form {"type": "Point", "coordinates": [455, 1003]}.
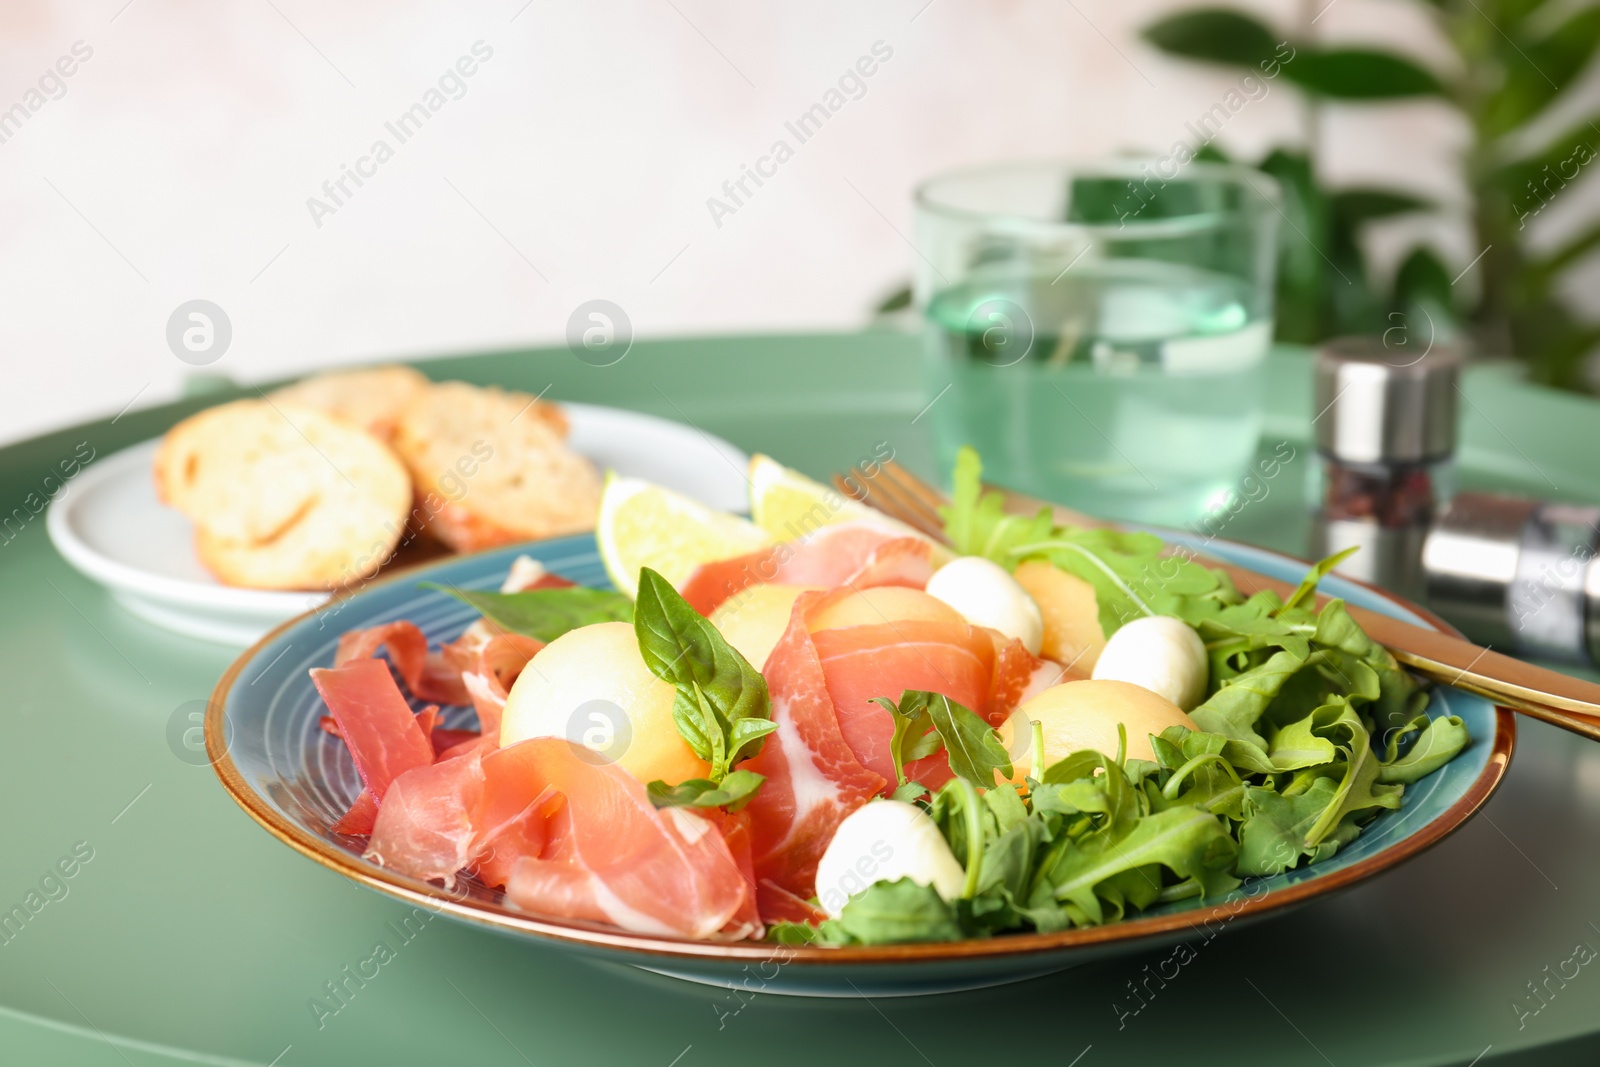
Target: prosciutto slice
{"type": "Point", "coordinates": [857, 554]}
{"type": "Point", "coordinates": [377, 724]}
{"type": "Point", "coordinates": [860, 663]}
{"type": "Point", "coordinates": [425, 822]}
{"type": "Point", "coordinates": [428, 675]}
{"type": "Point", "coordinates": [813, 777]}
{"type": "Point", "coordinates": [618, 859]}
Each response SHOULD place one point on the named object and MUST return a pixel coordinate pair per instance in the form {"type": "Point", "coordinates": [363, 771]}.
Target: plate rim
{"type": "Point", "coordinates": [596, 936]}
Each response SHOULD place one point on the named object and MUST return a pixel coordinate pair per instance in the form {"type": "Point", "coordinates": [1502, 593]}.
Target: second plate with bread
{"type": "Point", "coordinates": [250, 512]}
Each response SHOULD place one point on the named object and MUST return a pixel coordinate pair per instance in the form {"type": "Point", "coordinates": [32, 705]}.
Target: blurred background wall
{"type": "Point", "coordinates": [576, 160]}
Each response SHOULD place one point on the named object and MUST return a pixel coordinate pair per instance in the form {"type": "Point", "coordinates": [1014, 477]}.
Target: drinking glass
{"type": "Point", "coordinates": [1097, 330]}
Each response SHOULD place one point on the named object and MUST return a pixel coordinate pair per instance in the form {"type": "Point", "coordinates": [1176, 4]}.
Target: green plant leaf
{"type": "Point", "coordinates": [1187, 841]}
{"type": "Point", "coordinates": [544, 613]}
{"type": "Point", "coordinates": [1214, 35]}
{"type": "Point", "coordinates": [1539, 69]}
{"type": "Point", "coordinates": [733, 792]}
{"type": "Point", "coordinates": [1356, 207]}
{"type": "Point", "coordinates": [898, 912]}
{"type": "Point", "coordinates": [722, 709]}
{"type": "Point", "coordinates": [973, 745]}
{"type": "Point", "coordinates": [1440, 742]}
{"type": "Point", "coordinates": [1360, 74]}
{"type": "Point", "coordinates": [1303, 234]}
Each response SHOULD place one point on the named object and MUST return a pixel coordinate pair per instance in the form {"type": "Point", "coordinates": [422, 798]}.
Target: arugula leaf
{"type": "Point", "coordinates": [1441, 741]}
{"type": "Point", "coordinates": [898, 912]}
{"type": "Point", "coordinates": [1272, 838]}
{"type": "Point", "coordinates": [1306, 594]}
{"type": "Point", "coordinates": [1360, 789]}
{"type": "Point", "coordinates": [1233, 710]}
{"type": "Point", "coordinates": [733, 792]}
{"type": "Point", "coordinates": [793, 933]}
{"type": "Point", "coordinates": [722, 709]}
{"type": "Point", "coordinates": [1188, 841]}
{"type": "Point", "coordinates": [1130, 575]}
{"type": "Point", "coordinates": [973, 745]}
{"type": "Point", "coordinates": [544, 613]}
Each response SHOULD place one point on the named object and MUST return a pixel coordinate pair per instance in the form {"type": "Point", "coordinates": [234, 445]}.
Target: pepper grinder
{"type": "Point", "coordinates": [1385, 464]}
{"type": "Point", "coordinates": [1521, 576]}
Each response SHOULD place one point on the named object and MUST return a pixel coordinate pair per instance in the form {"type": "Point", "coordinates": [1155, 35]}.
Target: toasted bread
{"type": "Point", "coordinates": [284, 497]}
{"type": "Point", "coordinates": [369, 397]}
{"type": "Point", "coordinates": [492, 467]}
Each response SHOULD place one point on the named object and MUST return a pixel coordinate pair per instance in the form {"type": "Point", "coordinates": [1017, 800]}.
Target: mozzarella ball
{"type": "Point", "coordinates": [1071, 614]}
{"type": "Point", "coordinates": [986, 595]}
{"type": "Point", "coordinates": [591, 686]}
{"type": "Point", "coordinates": [754, 619]}
{"type": "Point", "coordinates": [1084, 715]}
{"type": "Point", "coordinates": [1161, 653]}
{"type": "Point", "coordinates": [881, 604]}
{"type": "Point", "coordinates": [884, 841]}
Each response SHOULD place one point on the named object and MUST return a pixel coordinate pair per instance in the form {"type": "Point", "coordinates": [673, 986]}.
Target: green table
{"type": "Point", "coordinates": [192, 936]}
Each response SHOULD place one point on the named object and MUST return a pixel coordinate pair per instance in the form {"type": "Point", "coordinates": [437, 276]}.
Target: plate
{"type": "Point", "coordinates": [295, 780]}
{"type": "Point", "coordinates": [111, 527]}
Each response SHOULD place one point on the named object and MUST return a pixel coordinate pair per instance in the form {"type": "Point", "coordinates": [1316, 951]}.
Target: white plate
{"type": "Point", "coordinates": [109, 524]}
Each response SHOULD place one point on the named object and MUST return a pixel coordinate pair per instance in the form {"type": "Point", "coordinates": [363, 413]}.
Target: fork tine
{"type": "Point", "coordinates": [931, 498]}
{"type": "Point", "coordinates": [911, 503]}
{"type": "Point", "coordinates": [857, 485]}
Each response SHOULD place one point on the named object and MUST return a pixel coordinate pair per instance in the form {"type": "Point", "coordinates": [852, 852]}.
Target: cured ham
{"type": "Point", "coordinates": [860, 663]}
{"type": "Point", "coordinates": [855, 554]}
{"type": "Point", "coordinates": [428, 675]}
{"type": "Point", "coordinates": [375, 721]}
{"type": "Point", "coordinates": [813, 777]}
{"type": "Point", "coordinates": [618, 859]}
{"type": "Point", "coordinates": [425, 821]}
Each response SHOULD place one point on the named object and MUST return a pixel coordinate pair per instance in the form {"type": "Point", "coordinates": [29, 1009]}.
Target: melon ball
{"type": "Point", "coordinates": [591, 686]}
{"type": "Point", "coordinates": [1085, 714]}
{"type": "Point", "coordinates": [1069, 611]}
{"type": "Point", "coordinates": [883, 604]}
{"type": "Point", "coordinates": [754, 619]}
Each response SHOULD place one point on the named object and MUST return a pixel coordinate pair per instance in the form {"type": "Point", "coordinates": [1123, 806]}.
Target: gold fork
{"type": "Point", "coordinates": [1547, 695]}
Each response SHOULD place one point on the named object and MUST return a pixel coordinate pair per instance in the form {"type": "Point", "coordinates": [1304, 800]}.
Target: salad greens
{"type": "Point", "coordinates": [1309, 730]}
{"type": "Point", "coordinates": [721, 709]}
{"type": "Point", "coordinates": [545, 613]}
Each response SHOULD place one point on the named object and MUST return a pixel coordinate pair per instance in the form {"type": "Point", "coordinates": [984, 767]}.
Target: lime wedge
{"type": "Point", "coordinates": [645, 525]}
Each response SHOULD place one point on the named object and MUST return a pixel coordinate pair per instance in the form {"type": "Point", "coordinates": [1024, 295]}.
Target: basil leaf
{"type": "Point", "coordinates": [722, 709]}
{"type": "Point", "coordinates": [973, 745]}
{"type": "Point", "coordinates": [545, 613]}
{"type": "Point", "coordinates": [898, 912]}
{"type": "Point", "coordinates": [733, 792]}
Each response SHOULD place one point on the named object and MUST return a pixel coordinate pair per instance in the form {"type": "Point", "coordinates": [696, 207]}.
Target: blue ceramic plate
{"type": "Point", "coordinates": [295, 780]}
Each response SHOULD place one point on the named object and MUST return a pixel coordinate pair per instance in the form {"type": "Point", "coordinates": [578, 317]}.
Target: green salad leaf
{"type": "Point", "coordinates": [733, 792]}
{"type": "Point", "coordinates": [1131, 575]}
{"type": "Point", "coordinates": [926, 722]}
{"type": "Point", "coordinates": [721, 709]}
{"type": "Point", "coordinates": [1309, 730]}
{"type": "Point", "coordinates": [897, 912]}
{"type": "Point", "coordinates": [544, 613]}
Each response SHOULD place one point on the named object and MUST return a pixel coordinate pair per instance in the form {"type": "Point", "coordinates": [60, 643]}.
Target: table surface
{"type": "Point", "coordinates": [190, 935]}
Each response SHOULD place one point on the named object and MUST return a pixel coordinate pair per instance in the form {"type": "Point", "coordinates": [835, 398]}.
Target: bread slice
{"type": "Point", "coordinates": [492, 467]}
{"type": "Point", "coordinates": [284, 497]}
{"type": "Point", "coordinates": [369, 397]}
